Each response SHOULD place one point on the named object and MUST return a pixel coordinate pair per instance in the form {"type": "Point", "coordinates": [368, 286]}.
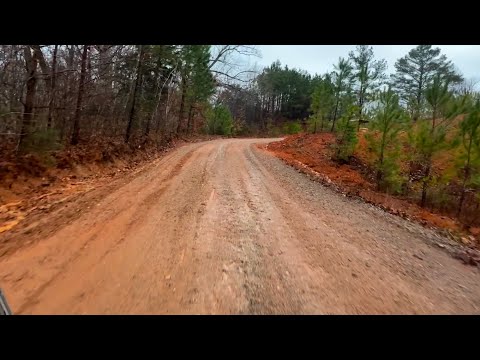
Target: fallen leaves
{"type": "Point", "coordinates": [10, 224]}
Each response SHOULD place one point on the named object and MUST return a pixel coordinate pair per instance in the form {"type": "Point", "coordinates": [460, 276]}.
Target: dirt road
{"type": "Point", "coordinates": [222, 227]}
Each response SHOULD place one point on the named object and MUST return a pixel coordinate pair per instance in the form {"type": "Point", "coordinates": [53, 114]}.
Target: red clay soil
{"type": "Point", "coordinates": [29, 187]}
{"type": "Point", "coordinates": [311, 154]}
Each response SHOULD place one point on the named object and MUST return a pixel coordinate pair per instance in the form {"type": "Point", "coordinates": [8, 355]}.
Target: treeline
{"type": "Point", "coordinates": [282, 93]}
{"type": "Point", "coordinates": [55, 95]}
{"type": "Point", "coordinates": [275, 95]}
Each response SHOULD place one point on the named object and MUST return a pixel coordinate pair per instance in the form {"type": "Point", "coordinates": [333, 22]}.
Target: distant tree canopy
{"type": "Point", "coordinates": [417, 70]}
{"type": "Point", "coordinates": [279, 93]}
{"type": "Point", "coordinates": [285, 92]}
{"type": "Point", "coordinates": [76, 92]}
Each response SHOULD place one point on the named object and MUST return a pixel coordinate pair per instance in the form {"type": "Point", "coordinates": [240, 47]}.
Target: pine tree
{"type": "Point", "coordinates": [321, 104]}
{"type": "Point", "coordinates": [429, 136]}
{"type": "Point", "coordinates": [415, 73]}
{"type": "Point", "coordinates": [200, 81]}
{"type": "Point", "coordinates": [369, 75]}
{"type": "Point", "coordinates": [437, 96]}
{"type": "Point", "coordinates": [346, 136]}
{"type": "Point", "coordinates": [342, 80]}
{"type": "Point", "coordinates": [469, 159]}
{"type": "Point", "coordinates": [388, 120]}
{"type": "Point", "coordinates": [197, 80]}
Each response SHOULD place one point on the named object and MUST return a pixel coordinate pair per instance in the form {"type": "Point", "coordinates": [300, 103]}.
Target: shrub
{"type": "Point", "coordinates": [346, 136]}
{"type": "Point", "coordinates": [219, 120]}
{"type": "Point", "coordinates": [292, 127]}
{"type": "Point", "coordinates": [388, 120]}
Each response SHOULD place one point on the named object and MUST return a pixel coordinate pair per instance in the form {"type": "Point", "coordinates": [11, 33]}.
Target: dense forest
{"type": "Point", "coordinates": [56, 95]}
{"type": "Point", "coordinates": [59, 96]}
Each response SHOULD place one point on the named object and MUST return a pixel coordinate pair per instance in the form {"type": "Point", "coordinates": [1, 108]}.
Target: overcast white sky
{"type": "Point", "coordinates": [320, 58]}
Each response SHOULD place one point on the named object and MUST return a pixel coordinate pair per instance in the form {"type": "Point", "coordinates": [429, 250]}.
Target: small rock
{"type": "Point", "coordinates": [167, 277]}
{"type": "Point", "coordinates": [465, 240]}
{"type": "Point", "coordinates": [418, 256]}
{"type": "Point", "coordinates": [367, 264]}
{"type": "Point", "coordinates": [441, 246]}
{"type": "Point", "coordinates": [45, 183]}
{"type": "Point", "coordinates": [354, 275]}
{"type": "Point", "coordinates": [463, 257]}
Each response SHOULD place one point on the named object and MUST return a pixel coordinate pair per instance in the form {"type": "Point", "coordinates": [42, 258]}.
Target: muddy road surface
{"type": "Point", "coordinates": [223, 227]}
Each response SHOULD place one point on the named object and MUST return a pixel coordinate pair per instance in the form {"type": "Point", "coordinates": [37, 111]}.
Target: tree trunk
{"type": "Point", "coordinates": [43, 65]}
{"type": "Point", "coordinates": [434, 119]}
{"type": "Point", "coordinates": [462, 199]}
{"type": "Point", "coordinates": [66, 114]}
{"type": "Point", "coordinates": [31, 62]}
{"type": "Point", "coordinates": [466, 176]}
{"type": "Point", "coordinates": [158, 96]}
{"type": "Point", "coordinates": [182, 104]}
{"type": "Point", "coordinates": [419, 96]}
{"type": "Point", "coordinates": [273, 110]}
{"type": "Point", "coordinates": [360, 105]}
{"type": "Point", "coordinates": [426, 177]}
{"type": "Point", "coordinates": [89, 68]}
{"type": "Point", "coordinates": [379, 179]}
{"type": "Point", "coordinates": [52, 88]}
{"type": "Point", "coordinates": [134, 95]}
{"type": "Point", "coordinates": [189, 124]}
{"type": "Point", "coordinates": [335, 116]}
{"type": "Point", "coordinates": [380, 161]}
{"type": "Point", "coordinates": [81, 89]}
{"type": "Point", "coordinates": [160, 118]}
{"type": "Point", "coordinates": [425, 186]}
